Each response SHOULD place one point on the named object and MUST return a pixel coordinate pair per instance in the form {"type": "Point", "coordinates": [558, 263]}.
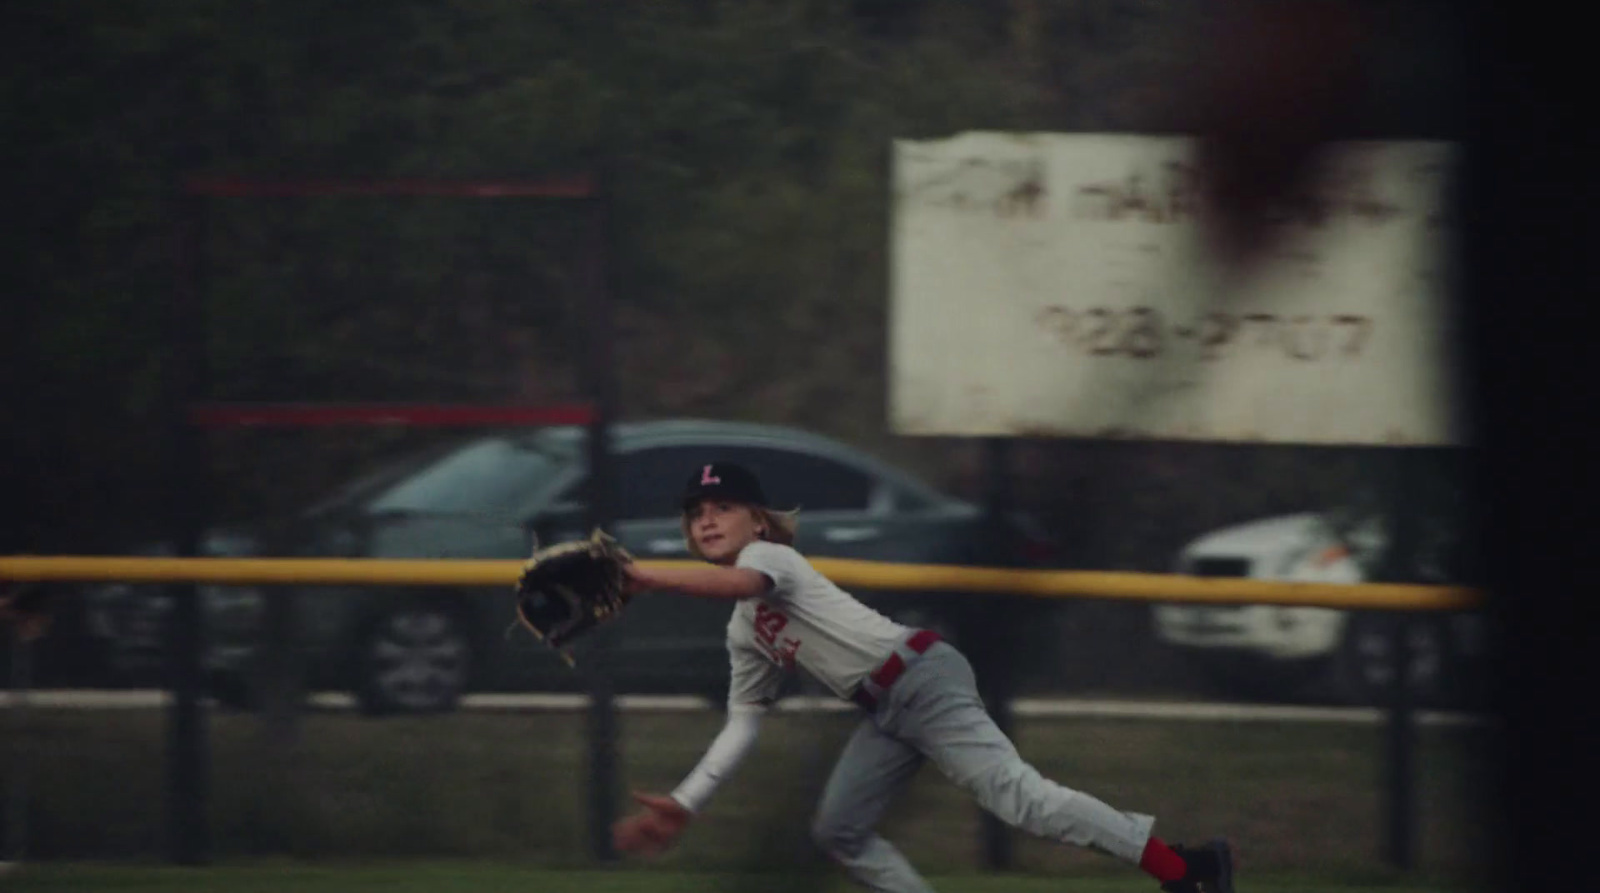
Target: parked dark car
{"type": "Point", "coordinates": [492, 497]}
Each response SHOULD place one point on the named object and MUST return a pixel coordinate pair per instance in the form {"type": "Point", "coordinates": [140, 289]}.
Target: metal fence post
{"type": "Point", "coordinates": [996, 667]}
{"type": "Point", "coordinates": [1404, 494]}
{"type": "Point", "coordinates": [188, 764]}
{"type": "Point", "coordinates": [16, 821]}
{"type": "Point", "coordinates": [278, 685]}
{"type": "Point", "coordinates": [596, 319]}
{"type": "Point", "coordinates": [1400, 746]}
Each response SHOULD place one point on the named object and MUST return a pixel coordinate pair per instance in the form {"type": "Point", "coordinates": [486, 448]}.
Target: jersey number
{"type": "Point", "coordinates": [769, 623]}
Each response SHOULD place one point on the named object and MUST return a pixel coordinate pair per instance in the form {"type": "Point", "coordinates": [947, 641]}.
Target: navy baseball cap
{"type": "Point", "coordinates": [723, 480]}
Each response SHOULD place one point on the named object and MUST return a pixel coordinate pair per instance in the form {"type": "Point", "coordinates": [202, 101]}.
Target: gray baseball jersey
{"type": "Point", "coordinates": [806, 621]}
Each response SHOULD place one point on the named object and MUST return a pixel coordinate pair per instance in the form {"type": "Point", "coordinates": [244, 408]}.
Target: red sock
{"type": "Point", "coordinates": [1160, 861]}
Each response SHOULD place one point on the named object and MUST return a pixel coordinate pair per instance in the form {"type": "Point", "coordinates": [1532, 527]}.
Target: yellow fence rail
{"type": "Point", "coordinates": [846, 572]}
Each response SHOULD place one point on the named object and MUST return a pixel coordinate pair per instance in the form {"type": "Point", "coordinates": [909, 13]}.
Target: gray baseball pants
{"type": "Point", "coordinates": [933, 712]}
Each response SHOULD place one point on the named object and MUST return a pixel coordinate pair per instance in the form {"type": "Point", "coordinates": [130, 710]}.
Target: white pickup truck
{"type": "Point", "coordinates": [1281, 652]}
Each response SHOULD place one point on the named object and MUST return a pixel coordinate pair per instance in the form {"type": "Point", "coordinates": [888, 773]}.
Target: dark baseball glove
{"type": "Point", "coordinates": [568, 589]}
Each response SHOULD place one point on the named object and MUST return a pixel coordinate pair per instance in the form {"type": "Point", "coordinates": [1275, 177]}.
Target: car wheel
{"type": "Point", "coordinates": [415, 658]}
{"type": "Point", "coordinates": [1365, 666]}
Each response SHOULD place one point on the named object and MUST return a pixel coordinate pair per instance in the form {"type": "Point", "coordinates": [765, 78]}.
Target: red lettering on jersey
{"type": "Point", "coordinates": [787, 651]}
{"type": "Point", "coordinates": [769, 623]}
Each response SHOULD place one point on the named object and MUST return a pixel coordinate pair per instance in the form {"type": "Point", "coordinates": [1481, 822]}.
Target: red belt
{"type": "Point", "coordinates": [890, 670]}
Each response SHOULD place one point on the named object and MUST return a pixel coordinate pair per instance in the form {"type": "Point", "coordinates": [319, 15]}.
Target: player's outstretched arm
{"type": "Point", "coordinates": [663, 819]}
{"type": "Point", "coordinates": [710, 581]}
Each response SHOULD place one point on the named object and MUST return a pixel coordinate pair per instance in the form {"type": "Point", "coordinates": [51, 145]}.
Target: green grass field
{"type": "Point", "coordinates": [479, 878]}
{"type": "Point", "coordinates": [1302, 802]}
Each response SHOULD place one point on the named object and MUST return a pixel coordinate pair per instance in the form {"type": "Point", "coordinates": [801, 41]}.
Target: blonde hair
{"type": "Point", "coordinates": [777, 527]}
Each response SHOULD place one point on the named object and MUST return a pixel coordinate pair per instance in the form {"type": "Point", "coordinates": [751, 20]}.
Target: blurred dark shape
{"type": "Point", "coordinates": [1277, 81]}
{"type": "Point", "coordinates": [894, 19]}
{"type": "Point", "coordinates": [26, 608]}
{"type": "Point", "coordinates": [1528, 284]}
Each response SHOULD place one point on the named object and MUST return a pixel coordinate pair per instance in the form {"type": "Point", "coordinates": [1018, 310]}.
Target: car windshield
{"type": "Point", "coordinates": [487, 476]}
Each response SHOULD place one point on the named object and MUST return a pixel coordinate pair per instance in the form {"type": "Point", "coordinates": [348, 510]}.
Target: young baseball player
{"type": "Point", "coordinates": [918, 694]}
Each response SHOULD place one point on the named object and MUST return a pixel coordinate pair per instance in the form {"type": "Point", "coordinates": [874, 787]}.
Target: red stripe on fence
{"type": "Point", "coordinates": [232, 415]}
{"type": "Point", "coordinates": [580, 186]}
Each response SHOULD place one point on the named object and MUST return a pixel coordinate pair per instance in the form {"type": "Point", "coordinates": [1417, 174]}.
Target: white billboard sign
{"type": "Point", "coordinates": [1054, 284]}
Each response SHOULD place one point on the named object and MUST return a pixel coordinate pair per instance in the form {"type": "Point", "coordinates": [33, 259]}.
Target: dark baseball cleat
{"type": "Point", "coordinates": [1210, 869]}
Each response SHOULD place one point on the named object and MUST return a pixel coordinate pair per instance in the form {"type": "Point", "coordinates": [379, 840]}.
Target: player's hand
{"type": "Point", "coordinates": [654, 828]}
